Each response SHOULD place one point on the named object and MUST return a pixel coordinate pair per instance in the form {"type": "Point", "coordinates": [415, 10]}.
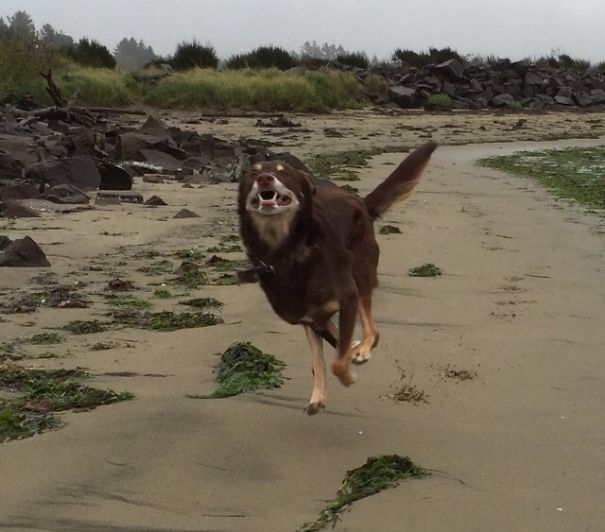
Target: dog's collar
{"type": "Point", "coordinates": [251, 275]}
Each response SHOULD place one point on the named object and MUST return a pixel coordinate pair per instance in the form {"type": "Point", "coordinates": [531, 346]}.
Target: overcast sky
{"type": "Point", "coordinates": [511, 28]}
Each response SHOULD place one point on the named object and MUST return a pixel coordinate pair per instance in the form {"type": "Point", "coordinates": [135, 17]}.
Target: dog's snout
{"type": "Point", "coordinates": [264, 180]}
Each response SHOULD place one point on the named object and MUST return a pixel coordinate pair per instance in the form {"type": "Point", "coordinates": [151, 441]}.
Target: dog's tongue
{"type": "Point", "coordinates": [268, 204]}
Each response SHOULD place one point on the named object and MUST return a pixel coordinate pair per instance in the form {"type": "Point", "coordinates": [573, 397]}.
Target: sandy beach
{"type": "Point", "coordinates": [520, 307]}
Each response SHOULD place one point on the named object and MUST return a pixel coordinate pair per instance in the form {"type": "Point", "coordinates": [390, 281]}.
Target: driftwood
{"type": "Point", "coordinates": [63, 110]}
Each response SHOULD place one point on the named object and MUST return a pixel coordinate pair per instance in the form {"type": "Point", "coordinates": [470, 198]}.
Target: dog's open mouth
{"type": "Point", "coordinates": [269, 200]}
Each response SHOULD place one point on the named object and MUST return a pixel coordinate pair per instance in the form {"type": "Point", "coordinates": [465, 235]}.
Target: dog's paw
{"type": "Point", "coordinates": [360, 356]}
{"type": "Point", "coordinates": [346, 377]}
{"type": "Point", "coordinates": [313, 408]}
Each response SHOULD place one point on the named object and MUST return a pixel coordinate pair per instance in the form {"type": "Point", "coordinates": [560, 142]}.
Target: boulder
{"type": "Point", "coordinates": [186, 213]}
{"type": "Point", "coordinates": [23, 253]}
{"type": "Point", "coordinates": [452, 68]}
{"type": "Point", "coordinates": [20, 148]}
{"type": "Point", "coordinates": [19, 190]}
{"type": "Point", "coordinates": [80, 172]}
{"type": "Point", "coordinates": [113, 177]}
{"type": "Point", "coordinates": [502, 100]}
{"type": "Point", "coordinates": [66, 194]}
{"type": "Point", "coordinates": [155, 201]}
{"type": "Point", "coordinates": [598, 96]}
{"type": "Point", "coordinates": [129, 196]}
{"type": "Point", "coordinates": [565, 96]}
{"type": "Point", "coordinates": [10, 168]}
{"type": "Point", "coordinates": [403, 96]}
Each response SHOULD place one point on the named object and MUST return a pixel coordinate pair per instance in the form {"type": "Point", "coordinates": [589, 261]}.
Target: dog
{"type": "Point", "coordinates": [314, 252]}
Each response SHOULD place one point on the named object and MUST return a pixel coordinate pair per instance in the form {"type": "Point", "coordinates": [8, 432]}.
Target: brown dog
{"type": "Point", "coordinates": [315, 253]}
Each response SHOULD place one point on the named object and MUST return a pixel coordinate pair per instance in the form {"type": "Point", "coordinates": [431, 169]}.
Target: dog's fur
{"type": "Point", "coordinates": [315, 253]}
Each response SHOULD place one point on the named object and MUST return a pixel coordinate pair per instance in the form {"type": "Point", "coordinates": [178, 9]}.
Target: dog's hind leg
{"type": "Point", "coordinates": [318, 367]}
{"type": "Point", "coordinates": [347, 317]}
{"type": "Point", "coordinates": [363, 350]}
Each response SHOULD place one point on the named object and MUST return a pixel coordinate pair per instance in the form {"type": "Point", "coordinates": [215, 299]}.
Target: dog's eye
{"type": "Point", "coordinates": [280, 167]}
{"type": "Point", "coordinates": [257, 167]}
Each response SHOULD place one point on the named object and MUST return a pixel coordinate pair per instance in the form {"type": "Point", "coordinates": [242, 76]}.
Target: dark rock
{"type": "Point", "coordinates": [153, 178]}
{"type": "Point", "coordinates": [4, 242]}
{"type": "Point", "coordinates": [565, 96]}
{"type": "Point", "coordinates": [20, 148]}
{"type": "Point", "coordinates": [452, 68]}
{"type": "Point", "coordinates": [10, 168]}
{"type": "Point", "coordinates": [18, 190]}
{"type": "Point", "coordinates": [582, 99]}
{"type": "Point", "coordinates": [22, 208]}
{"type": "Point", "coordinates": [502, 100]}
{"type": "Point", "coordinates": [160, 158]}
{"type": "Point", "coordinates": [80, 172]}
{"type": "Point", "coordinates": [533, 78]}
{"type": "Point", "coordinates": [14, 209]}
{"type": "Point", "coordinates": [113, 177]}
{"type": "Point", "coordinates": [66, 194]}
{"type": "Point", "coordinates": [129, 196]}
{"type": "Point", "coordinates": [186, 213]}
{"type": "Point", "coordinates": [403, 96]}
{"type": "Point", "coordinates": [155, 200]}
{"type": "Point", "coordinates": [278, 121]}
{"type": "Point", "coordinates": [23, 253]}
{"type": "Point", "coordinates": [81, 141]}
{"type": "Point", "coordinates": [598, 96]}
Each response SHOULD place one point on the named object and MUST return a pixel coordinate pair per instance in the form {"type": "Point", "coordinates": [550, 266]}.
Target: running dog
{"type": "Point", "coordinates": [315, 254]}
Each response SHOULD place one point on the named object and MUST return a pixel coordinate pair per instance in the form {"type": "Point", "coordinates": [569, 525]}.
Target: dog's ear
{"type": "Point", "coordinates": [310, 182]}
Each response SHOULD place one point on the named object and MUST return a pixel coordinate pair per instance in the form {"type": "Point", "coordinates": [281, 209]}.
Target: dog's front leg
{"type": "Point", "coordinates": [318, 366]}
{"type": "Point", "coordinates": [346, 321]}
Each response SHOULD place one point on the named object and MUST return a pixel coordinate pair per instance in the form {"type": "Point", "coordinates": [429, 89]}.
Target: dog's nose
{"type": "Point", "coordinates": [264, 180]}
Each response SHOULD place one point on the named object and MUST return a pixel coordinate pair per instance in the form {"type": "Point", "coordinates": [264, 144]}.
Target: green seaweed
{"type": "Point", "coordinates": [377, 474]}
{"type": "Point", "coordinates": [245, 368]}
{"type": "Point", "coordinates": [571, 173]}
{"type": "Point", "coordinates": [426, 270]}
{"type": "Point", "coordinates": [389, 230]}
{"type": "Point", "coordinates": [202, 302]}
{"type": "Point", "coordinates": [166, 320]}
{"type": "Point", "coordinates": [85, 327]}
{"type": "Point", "coordinates": [43, 392]}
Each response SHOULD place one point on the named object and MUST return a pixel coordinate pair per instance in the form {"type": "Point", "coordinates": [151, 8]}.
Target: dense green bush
{"type": "Point", "coordinates": [21, 61]}
{"type": "Point", "coordinates": [91, 53]}
{"type": "Point", "coordinates": [433, 56]}
{"type": "Point", "coordinates": [354, 59]}
{"type": "Point", "coordinates": [263, 57]}
{"type": "Point", "coordinates": [194, 55]}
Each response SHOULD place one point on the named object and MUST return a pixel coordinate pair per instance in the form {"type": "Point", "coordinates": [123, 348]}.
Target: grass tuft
{"type": "Point", "coordinates": [266, 90]}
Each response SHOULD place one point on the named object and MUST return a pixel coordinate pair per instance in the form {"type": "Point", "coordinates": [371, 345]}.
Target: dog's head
{"type": "Point", "coordinates": [272, 188]}
{"type": "Point", "coordinates": [275, 196]}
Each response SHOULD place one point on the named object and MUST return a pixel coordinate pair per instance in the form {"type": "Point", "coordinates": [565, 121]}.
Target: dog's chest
{"type": "Point", "coordinates": [299, 294]}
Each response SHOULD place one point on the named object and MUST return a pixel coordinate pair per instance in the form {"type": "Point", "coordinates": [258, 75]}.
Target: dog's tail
{"type": "Point", "coordinates": [400, 184]}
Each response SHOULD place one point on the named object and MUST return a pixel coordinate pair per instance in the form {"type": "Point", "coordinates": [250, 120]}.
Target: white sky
{"type": "Point", "coordinates": [511, 28]}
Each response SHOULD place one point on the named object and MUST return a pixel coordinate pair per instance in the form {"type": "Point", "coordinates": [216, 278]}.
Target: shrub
{"type": "Point", "coordinates": [376, 86]}
{"type": "Point", "coordinates": [21, 62]}
{"type": "Point", "coordinates": [354, 59]}
{"type": "Point", "coordinates": [263, 57]}
{"type": "Point", "coordinates": [91, 53]}
{"type": "Point", "coordinates": [194, 55]}
{"type": "Point", "coordinates": [439, 101]}
{"type": "Point", "coordinates": [434, 55]}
